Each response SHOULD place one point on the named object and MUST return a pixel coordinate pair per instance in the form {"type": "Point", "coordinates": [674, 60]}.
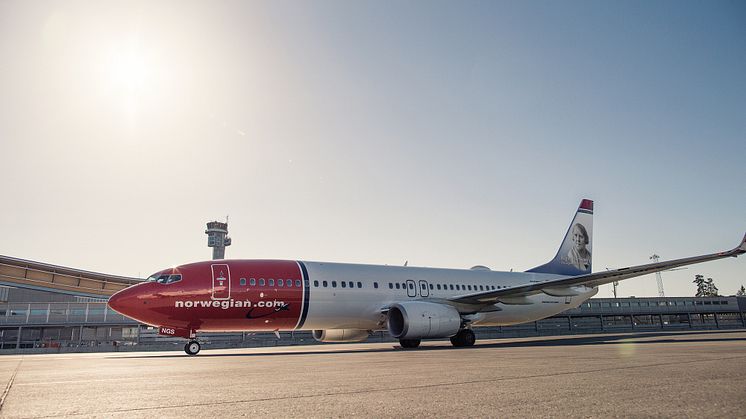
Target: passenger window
{"type": "Point", "coordinates": [280, 283]}
{"type": "Point", "coordinates": [411, 286]}
{"type": "Point", "coordinates": [344, 284]}
{"type": "Point", "coordinates": [325, 284]}
{"type": "Point", "coordinates": [397, 285]}
{"type": "Point", "coordinates": [481, 288]}
{"type": "Point", "coordinates": [315, 283]}
{"type": "Point", "coordinates": [359, 284]}
{"type": "Point", "coordinates": [252, 282]}
{"type": "Point", "coordinates": [391, 286]}
{"type": "Point", "coordinates": [457, 288]}
{"type": "Point", "coordinates": [334, 284]}
{"type": "Point", "coordinates": [431, 286]}
{"type": "Point", "coordinates": [271, 282]}
{"type": "Point", "coordinates": [375, 285]}
{"type": "Point", "coordinates": [297, 283]}
{"type": "Point", "coordinates": [261, 282]}
{"type": "Point", "coordinates": [438, 287]}
{"type": "Point", "coordinates": [352, 285]}
{"type": "Point", "coordinates": [451, 286]}
{"type": "Point", "coordinates": [243, 281]}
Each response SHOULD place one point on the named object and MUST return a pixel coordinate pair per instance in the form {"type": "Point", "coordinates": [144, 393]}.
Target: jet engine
{"type": "Point", "coordinates": [418, 320]}
{"type": "Point", "coordinates": [340, 335]}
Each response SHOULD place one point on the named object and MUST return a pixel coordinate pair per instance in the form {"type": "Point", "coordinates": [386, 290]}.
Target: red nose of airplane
{"type": "Point", "coordinates": [126, 301]}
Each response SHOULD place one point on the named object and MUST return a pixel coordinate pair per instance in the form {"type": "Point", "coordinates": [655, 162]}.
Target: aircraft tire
{"type": "Point", "coordinates": [192, 347]}
{"type": "Point", "coordinates": [464, 338]}
{"type": "Point", "coordinates": [469, 337]}
{"type": "Point", "coordinates": [409, 343]}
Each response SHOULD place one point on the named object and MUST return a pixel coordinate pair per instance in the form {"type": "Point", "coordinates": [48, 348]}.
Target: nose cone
{"type": "Point", "coordinates": [126, 301]}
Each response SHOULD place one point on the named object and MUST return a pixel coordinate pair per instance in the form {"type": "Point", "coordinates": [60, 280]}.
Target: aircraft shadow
{"type": "Point", "coordinates": [615, 339]}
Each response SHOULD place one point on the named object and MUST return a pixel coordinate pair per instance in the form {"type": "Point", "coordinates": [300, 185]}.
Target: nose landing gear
{"type": "Point", "coordinates": [192, 347]}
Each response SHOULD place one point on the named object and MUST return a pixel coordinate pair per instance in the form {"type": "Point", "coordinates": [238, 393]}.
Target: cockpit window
{"type": "Point", "coordinates": [165, 278]}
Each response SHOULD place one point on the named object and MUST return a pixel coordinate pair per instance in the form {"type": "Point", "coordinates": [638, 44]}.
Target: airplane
{"type": "Point", "coordinates": [342, 302]}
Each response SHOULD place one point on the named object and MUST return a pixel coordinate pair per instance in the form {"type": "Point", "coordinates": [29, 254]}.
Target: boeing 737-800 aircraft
{"type": "Point", "coordinates": [346, 302]}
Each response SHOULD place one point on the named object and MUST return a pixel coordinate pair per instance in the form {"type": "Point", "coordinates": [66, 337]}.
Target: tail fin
{"type": "Point", "coordinates": [574, 255]}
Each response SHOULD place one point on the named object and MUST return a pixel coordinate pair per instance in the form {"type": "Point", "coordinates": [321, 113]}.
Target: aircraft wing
{"type": "Point", "coordinates": [563, 286]}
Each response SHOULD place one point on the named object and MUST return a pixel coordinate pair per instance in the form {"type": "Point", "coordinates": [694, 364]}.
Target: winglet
{"type": "Point", "coordinates": [742, 248]}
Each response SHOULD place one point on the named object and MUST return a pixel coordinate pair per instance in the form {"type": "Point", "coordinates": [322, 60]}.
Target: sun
{"type": "Point", "coordinates": [129, 74]}
{"type": "Point", "coordinates": [128, 70]}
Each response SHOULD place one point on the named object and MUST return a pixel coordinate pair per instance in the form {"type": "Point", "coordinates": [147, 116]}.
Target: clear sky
{"type": "Point", "coordinates": [447, 134]}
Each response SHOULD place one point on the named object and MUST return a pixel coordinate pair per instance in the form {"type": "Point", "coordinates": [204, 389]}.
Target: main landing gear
{"type": "Point", "coordinates": [464, 337]}
{"type": "Point", "coordinates": [409, 343]}
{"type": "Point", "coordinates": [192, 347]}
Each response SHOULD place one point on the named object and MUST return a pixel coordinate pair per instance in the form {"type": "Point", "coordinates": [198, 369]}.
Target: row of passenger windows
{"type": "Point", "coordinates": [271, 282]}
{"type": "Point", "coordinates": [457, 287]}
{"type": "Point", "coordinates": [403, 286]}
{"type": "Point", "coordinates": [350, 284]}
{"type": "Point", "coordinates": [342, 284]}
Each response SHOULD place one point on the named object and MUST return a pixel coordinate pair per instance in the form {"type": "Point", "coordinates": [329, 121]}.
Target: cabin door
{"type": "Point", "coordinates": [221, 281]}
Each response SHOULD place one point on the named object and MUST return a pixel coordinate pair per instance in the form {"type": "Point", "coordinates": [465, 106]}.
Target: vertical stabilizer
{"type": "Point", "coordinates": [574, 255]}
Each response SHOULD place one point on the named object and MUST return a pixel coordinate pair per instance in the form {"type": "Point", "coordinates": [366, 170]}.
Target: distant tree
{"type": "Point", "coordinates": [741, 292]}
{"type": "Point", "coordinates": [699, 280]}
{"type": "Point", "coordinates": [712, 290]}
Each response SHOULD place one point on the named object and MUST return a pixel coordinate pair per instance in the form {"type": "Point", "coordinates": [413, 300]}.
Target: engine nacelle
{"type": "Point", "coordinates": [340, 335]}
{"type": "Point", "coordinates": [419, 319]}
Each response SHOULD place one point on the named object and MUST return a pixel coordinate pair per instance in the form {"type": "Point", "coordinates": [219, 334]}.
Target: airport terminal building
{"type": "Point", "coordinates": [46, 307]}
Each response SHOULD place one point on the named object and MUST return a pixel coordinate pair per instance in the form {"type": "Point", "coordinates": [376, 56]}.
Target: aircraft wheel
{"type": "Point", "coordinates": [469, 337]}
{"type": "Point", "coordinates": [192, 347]}
{"type": "Point", "coordinates": [409, 343]}
{"type": "Point", "coordinates": [464, 337]}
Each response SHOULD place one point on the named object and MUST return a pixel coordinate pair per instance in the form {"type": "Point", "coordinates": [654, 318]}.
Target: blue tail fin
{"type": "Point", "coordinates": [574, 255]}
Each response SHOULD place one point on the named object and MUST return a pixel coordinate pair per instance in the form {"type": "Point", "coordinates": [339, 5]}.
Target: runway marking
{"type": "Point", "coordinates": [389, 389]}
{"type": "Point", "coordinates": [10, 383]}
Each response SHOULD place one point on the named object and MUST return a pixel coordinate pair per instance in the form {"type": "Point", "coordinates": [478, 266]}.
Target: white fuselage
{"type": "Point", "coordinates": [375, 287]}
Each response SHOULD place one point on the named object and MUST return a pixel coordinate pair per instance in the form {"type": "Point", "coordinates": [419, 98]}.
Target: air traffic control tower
{"type": "Point", "coordinates": [217, 238]}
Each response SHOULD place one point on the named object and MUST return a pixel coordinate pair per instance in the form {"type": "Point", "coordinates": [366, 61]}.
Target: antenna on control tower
{"type": "Point", "coordinates": [217, 238]}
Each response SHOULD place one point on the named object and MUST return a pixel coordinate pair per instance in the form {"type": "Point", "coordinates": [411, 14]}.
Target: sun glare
{"type": "Point", "coordinates": [128, 70]}
{"type": "Point", "coordinates": [129, 75]}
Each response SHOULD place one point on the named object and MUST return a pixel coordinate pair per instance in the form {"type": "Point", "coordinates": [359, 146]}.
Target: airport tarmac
{"type": "Point", "coordinates": [643, 375]}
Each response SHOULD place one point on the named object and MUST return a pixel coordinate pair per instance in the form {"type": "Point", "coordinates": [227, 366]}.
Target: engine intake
{"type": "Point", "coordinates": [340, 335]}
{"type": "Point", "coordinates": [418, 320]}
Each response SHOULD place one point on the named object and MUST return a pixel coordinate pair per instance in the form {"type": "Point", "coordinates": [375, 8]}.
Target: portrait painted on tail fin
{"type": "Point", "coordinates": [579, 255]}
{"type": "Point", "coordinates": [574, 254]}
